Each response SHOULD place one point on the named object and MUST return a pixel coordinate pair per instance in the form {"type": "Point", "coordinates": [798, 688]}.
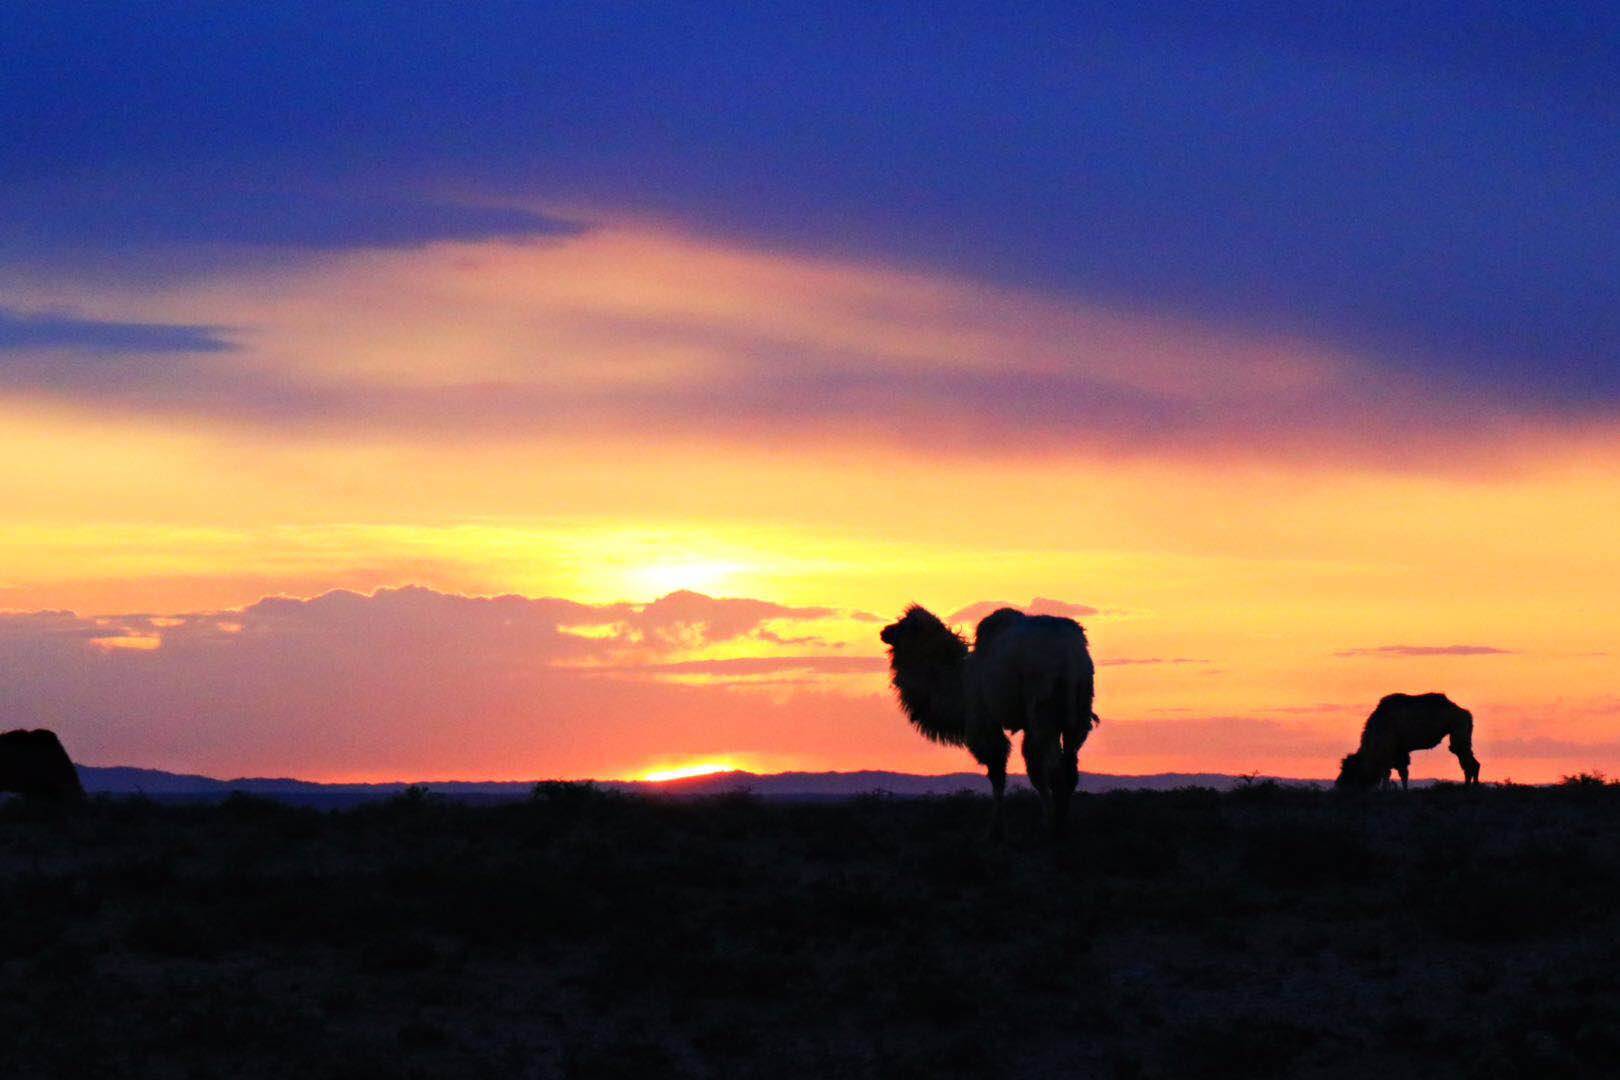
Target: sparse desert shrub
{"type": "Point", "coordinates": [1270, 792]}
{"type": "Point", "coordinates": [245, 806]}
{"type": "Point", "coordinates": [963, 1052]}
{"type": "Point", "coordinates": [1251, 789]}
{"type": "Point", "coordinates": [28, 934]}
{"type": "Point", "coordinates": [567, 794]}
{"type": "Point", "coordinates": [855, 902]}
{"type": "Point", "coordinates": [1482, 904]}
{"type": "Point", "coordinates": [389, 953]}
{"type": "Point", "coordinates": [947, 865]}
{"type": "Point", "coordinates": [1140, 854]}
{"type": "Point", "coordinates": [923, 989]}
{"type": "Point", "coordinates": [1239, 1046]}
{"type": "Point", "coordinates": [1306, 853]}
{"type": "Point", "coordinates": [1597, 1037]}
{"type": "Point", "coordinates": [413, 796]}
{"type": "Point", "coordinates": [749, 974]}
{"type": "Point", "coordinates": [616, 1058]}
{"type": "Point", "coordinates": [165, 932]}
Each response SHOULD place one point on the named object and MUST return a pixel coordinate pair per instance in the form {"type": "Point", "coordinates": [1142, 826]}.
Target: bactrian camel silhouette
{"type": "Point", "coordinates": [1029, 673]}
{"type": "Point", "coordinates": [1401, 724]}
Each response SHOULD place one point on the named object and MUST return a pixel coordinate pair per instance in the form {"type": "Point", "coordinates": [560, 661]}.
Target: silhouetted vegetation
{"type": "Point", "coordinates": [1268, 931]}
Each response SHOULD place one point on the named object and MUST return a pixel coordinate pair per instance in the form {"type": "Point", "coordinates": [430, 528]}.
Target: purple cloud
{"type": "Point", "coordinates": [1041, 605]}
{"type": "Point", "coordinates": [770, 387]}
{"type": "Point", "coordinates": [760, 665]}
{"type": "Point", "coordinates": [56, 330]}
{"type": "Point", "coordinates": [1395, 652]}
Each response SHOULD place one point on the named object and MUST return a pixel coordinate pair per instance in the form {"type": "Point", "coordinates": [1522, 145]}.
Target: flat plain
{"type": "Point", "coordinates": [1263, 931]}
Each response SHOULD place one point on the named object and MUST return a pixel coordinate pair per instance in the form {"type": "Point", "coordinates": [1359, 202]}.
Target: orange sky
{"type": "Point", "coordinates": [1272, 534]}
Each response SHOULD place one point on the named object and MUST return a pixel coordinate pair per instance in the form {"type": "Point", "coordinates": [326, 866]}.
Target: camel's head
{"type": "Point", "coordinates": [1355, 771]}
{"type": "Point", "coordinates": [919, 633]}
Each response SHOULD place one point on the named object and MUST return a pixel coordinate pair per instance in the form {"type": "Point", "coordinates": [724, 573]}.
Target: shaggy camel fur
{"type": "Point", "coordinates": [1401, 724]}
{"type": "Point", "coordinates": [33, 763]}
{"type": "Point", "coordinates": [1029, 673]}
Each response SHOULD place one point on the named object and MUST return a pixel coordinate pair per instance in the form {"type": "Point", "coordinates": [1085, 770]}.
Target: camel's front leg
{"type": "Point", "coordinates": [990, 748]}
{"type": "Point", "coordinates": [998, 792]}
{"type": "Point", "coordinates": [1462, 744]}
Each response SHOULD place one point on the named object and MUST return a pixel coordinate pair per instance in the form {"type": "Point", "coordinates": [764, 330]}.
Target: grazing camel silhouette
{"type": "Point", "coordinates": [33, 763]}
{"type": "Point", "coordinates": [1401, 724]}
{"type": "Point", "coordinates": [1029, 673]}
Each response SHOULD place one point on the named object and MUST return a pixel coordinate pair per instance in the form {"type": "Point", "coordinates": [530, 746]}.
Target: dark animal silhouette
{"type": "Point", "coordinates": [1401, 724]}
{"type": "Point", "coordinates": [33, 763]}
{"type": "Point", "coordinates": [1029, 673]}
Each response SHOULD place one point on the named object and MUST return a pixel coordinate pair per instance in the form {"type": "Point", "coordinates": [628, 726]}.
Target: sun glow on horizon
{"type": "Point", "coordinates": [684, 772]}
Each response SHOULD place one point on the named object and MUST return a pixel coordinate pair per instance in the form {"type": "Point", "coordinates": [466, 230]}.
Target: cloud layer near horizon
{"type": "Point", "coordinates": [414, 682]}
{"type": "Point", "coordinates": [417, 683]}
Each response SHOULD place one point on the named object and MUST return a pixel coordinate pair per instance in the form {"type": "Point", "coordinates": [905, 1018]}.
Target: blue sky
{"type": "Point", "coordinates": [1435, 186]}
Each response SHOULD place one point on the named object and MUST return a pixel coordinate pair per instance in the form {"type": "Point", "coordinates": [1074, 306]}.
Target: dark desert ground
{"type": "Point", "coordinates": [1267, 930]}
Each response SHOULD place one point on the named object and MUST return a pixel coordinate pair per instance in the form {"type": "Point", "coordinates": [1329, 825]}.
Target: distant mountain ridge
{"type": "Point", "coordinates": [129, 780]}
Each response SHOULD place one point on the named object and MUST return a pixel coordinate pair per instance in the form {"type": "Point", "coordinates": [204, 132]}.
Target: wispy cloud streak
{"type": "Point", "coordinates": [21, 330]}
{"type": "Point", "coordinates": [1397, 652]}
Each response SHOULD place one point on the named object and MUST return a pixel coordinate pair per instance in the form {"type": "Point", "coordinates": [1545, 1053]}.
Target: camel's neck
{"type": "Point", "coordinates": [931, 693]}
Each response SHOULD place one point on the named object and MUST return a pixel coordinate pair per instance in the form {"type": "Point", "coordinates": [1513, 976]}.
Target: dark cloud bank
{"type": "Point", "coordinates": [21, 331]}
{"type": "Point", "coordinates": [1434, 187]}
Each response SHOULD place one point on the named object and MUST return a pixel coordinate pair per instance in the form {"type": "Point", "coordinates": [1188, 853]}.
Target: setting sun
{"type": "Point", "coordinates": [696, 575]}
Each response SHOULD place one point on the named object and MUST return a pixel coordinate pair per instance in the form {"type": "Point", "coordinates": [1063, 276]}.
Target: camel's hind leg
{"type": "Point", "coordinates": [1065, 778]}
{"type": "Point", "coordinates": [1035, 766]}
{"type": "Point", "coordinates": [1076, 727]}
{"type": "Point", "coordinates": [1462, 744]}
{"type": "Point", "coordinates": [1045, 761]}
